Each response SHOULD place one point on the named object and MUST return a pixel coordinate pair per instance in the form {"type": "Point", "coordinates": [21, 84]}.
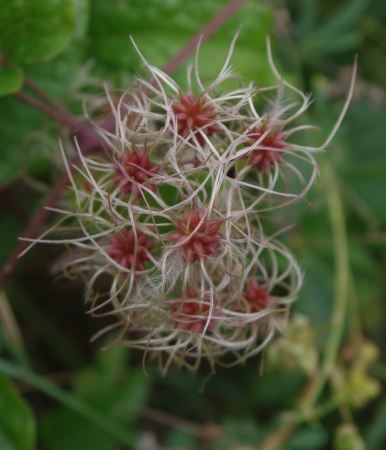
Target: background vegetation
{"type": "Point", "coordinates": [58, 391]}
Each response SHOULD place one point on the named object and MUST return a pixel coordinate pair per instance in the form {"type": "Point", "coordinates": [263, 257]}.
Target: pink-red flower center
{"type": "Point", "coordinates": [192, 114]}
{"type": "Point", "coordinates": [192, 314]}
{"type": "Point", "coordinates": [130, 250]}
{"type": "Point", "coordinates": [198, 236]}
{"type": "Point", "coordinates": [269, 149]}
{"type": "Point", "coordinates": [257, 296]}
{"type": "Point", "coordinates": [134, 170]}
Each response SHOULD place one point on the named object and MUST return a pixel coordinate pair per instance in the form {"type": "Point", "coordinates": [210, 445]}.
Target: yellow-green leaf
{"type": "Point", "coordinates": [11, 79]}
{"type": "Point", "coordinates": [35, 29]}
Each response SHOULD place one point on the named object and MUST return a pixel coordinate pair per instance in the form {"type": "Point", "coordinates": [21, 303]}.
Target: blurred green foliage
{"type": "Point", "coordinates": [107, 387]}
{"type": "Point", "coordinates": [17, 424]}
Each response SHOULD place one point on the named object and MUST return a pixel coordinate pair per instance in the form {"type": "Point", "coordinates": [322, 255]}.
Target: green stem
{"type": "Point", "coordinates": [102, 421]}
{"type": "Point", "coordinates": [315, 386]}
{"type": "Point", "coordinates": [342, 277]}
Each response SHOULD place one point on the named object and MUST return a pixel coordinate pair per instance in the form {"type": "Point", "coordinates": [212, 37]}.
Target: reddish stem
{"type": "Point", "coordinates": [29, 84]}
{"type": "Point", "coordinates": [68, 120]}
{"type": "Point", "coordinates": [41, 215]}
{"type": "Point", "coordinates": [33, 226]}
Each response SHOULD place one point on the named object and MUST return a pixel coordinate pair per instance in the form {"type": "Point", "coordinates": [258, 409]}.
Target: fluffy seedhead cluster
{"type": "Point", "coordinates": [175, 214]}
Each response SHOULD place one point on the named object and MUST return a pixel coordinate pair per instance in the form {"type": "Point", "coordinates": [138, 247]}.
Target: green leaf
{"type": "Point", "coordinates": [368, 182]}
{"type": "Point", "coordinates": [17, 121]}
{"type": "Point", "coordinates": [82, 18]}
{"type": "Point", "coordinates": [307, 17]}
{"type": "Point", "coordinates": [169, 194]}
{"type": "Point", "coordinates": [107, 388]}
{"type": "Point", "coordinates": [316, 296]}
{"type": "Point", "coordinates": [179, 439]}
{"type": "Point", "coordinates": [5, 444]}
{"type": "Point", "coordinates": [161, 29]}
{"type": "Point", "coordinates": [35, 29]}
{"type": "Point", "coordinates": [11, 228]}
{"type": "Point", "coordinates": [336, 34]}
{"type": "Point", "coordinates": [62, 430]}
{"type": "Point", "coordinates": [330, 45]}
{"type": "Point", "coordinates": [244, 430]}
{"type": "Point", "coordinates": [17, 425]}
{"type": "Point", "coordinates": [307, 438]}
{"type": "Point", "coordinates": [375, 433]}
{"type": "Point", "coordinates": [365, 134]}
{"type": "Point", "coordinates": [57, 77]}
{"type": "Point", "coordinates": [27, 144]}
{"type": "Point", "coordinates": [11, 79]}
{"type": "Point", "coordinates": [347, 17]}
